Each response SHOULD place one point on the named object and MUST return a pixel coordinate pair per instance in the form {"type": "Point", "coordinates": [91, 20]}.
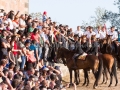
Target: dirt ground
{"type": "Point", "coordinates": [91, 78]}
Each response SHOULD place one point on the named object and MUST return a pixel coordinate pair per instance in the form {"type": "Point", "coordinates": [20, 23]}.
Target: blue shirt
{"type": "Point", "coordinates": [32, 47]}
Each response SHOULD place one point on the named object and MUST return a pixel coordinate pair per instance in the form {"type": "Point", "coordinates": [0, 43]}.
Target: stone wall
{"type": "Point", "coordinates": [16, 5]}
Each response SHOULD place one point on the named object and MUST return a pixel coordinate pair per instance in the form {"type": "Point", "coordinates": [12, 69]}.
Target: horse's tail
{"type": "Point", "coordinates": [100, 68]}
{"type": "Point", "coordinates": [114, 70]}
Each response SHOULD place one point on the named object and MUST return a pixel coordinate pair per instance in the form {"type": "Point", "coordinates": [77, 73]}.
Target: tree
{"type": "Point", "coordinates": [113, 18]}
{"type": "Point", "coordinates": [97, 20]}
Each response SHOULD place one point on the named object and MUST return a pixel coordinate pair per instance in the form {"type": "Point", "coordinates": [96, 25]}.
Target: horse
{"type": "Point", "coordinates": [108, 46]}
{"type": "Point", "coordinates": [90, 62]}
{"type": "Point", "coordinates": [109, 59]}
{"type": "Point", "coordinates": [109, 63]}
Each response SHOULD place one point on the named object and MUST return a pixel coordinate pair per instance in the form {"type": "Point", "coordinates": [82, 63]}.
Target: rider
{"type": "Point", "coordinates": [94, 46]}
{"type": "Point", "coordinates": [77, 49]}
{"type": "Point", "coordinates": [114, 37]}
{"type": "Point", "coordinates": [85, 44]}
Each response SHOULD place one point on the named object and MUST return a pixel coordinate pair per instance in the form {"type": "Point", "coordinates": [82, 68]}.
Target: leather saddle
{"type": "Point", "coordinates": [81, 57]}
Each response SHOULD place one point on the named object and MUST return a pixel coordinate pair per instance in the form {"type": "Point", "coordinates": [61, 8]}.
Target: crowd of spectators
{"type": "Point", "coordinates": [26, 47]}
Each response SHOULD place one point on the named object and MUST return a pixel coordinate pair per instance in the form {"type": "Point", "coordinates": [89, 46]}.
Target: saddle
{"type": "Point", "coordinates": [82, 57]}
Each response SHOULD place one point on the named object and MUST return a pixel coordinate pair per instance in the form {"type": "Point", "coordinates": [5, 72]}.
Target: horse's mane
{"type": "Point", "coordinates": [64, 50]}
{"type": "Point", "coordinates": [83, 36]}
{"type": "Point", "coordinates": [109, 40]}
{"type": "Point", "coordinates": [93, 37]}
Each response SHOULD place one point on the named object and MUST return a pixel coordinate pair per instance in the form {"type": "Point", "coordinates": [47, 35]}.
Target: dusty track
{"type": "Point", "coordinates": [90, 87]}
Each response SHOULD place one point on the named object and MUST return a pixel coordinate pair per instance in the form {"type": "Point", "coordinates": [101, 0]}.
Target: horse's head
{"type": "Point", "coordinates": [60, 55]}
{"type": "Point", "coordinates": [103, 43]}
{"type": "Point", "coordinates": [93, 37]}
{"type": "Point", "coordinates": [83, 38]}
{"type": "Point", "coordinates": [108, 39]}
{"type": "Point", "coordinates": [109, 36]}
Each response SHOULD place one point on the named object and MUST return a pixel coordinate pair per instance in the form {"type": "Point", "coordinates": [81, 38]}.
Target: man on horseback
{"type": "Point", "coordinates": [77, 49]}
{"type": "Point", "coordinates": [94, 46]}
{"type": "Point", "coordinates": [114, 37]}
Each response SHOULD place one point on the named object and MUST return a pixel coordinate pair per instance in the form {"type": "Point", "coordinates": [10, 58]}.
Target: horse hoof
{"type": "Point", "coordinates": [109, 85]}
{"type": "Point", "coordinates": [105, 82]}
{"type": "Point", "coordinates": [77, 83]}
{"type": "Point", "coordinates": [116, 84]}
{"type": "Point", "coordinates": [94, 87]}
{"type": "Point", "coordinates": [83, 84]}
{"type": "Point", "coordinates": [86, 85]}
{"type": "Point", "coordinates": [102, 83]}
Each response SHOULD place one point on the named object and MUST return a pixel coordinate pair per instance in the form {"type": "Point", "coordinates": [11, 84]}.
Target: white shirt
{"type": "Point", "coordinates": [90, 34]}
{"type": "Point", "coordinates": [15, 25]}
{"type": "Point", "coordinates": [85, 33]}
{"type": "Point", "coordinates": [44, 36]}
{"type": "Point", "coordinates": [80, 33]}
{"type": "Point", "coordinates": [114, 34]}
{"type": "Point", "coordinates": [22, 22]}
{"type": "Point", "coordinates": [11, 23]}
{"type": "Point", "coordinates": [95, 30]}
{"type": "Point", "coordinates": [102, 34]}
{"type": "Point", "coordinates": [97, 34]}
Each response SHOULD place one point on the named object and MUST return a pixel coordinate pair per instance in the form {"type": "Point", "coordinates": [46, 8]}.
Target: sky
{"type": "Point", "coordinates": [70, 12]}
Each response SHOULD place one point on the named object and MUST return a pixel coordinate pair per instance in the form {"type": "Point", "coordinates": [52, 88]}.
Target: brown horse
{"type": "Point", "coordinates": [109, 59]}
{"type": "Point", "coordinates": [90, 62]}
{"type": "Point", "coordinates": [109, 63]}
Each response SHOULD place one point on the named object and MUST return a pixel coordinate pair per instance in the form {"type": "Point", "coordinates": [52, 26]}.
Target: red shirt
{"type": "Point", "coordinates": [35, 37]}
{"type": "Point", "coordinates": [15, 48]}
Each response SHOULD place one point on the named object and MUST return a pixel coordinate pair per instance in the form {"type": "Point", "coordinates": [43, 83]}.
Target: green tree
{"type": "Point", "coordinates": [97, 19]}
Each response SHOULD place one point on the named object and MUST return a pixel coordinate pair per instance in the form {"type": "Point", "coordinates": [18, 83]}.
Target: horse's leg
{"type": "Point", "coordinates": [111, 77]}
{"type": "Point", "coordinates": [114, 70]}
{"type": "Point", "coordinates": [106, 75]}
{"type": "Point", "coordinates": [76, 76]}
{"type": "Point", "coordinates": [75, 80]}
{"type": "Point", "coordinates": [103, 77]}
{"type": "Point", "coordinates": [84, 77]}
{"type": "Point", "coordinates": [103, 74]}
{"type": "Point", "coordinates": [87, 78]}
{"type": "Point", "coordinates": [96, 80]}
{"type": "Point", "coordinates": [115, 75]}
{"type": "Point", "coordinates": [70, 71]}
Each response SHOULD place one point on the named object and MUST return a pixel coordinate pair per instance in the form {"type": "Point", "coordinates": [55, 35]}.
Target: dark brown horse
{"type": "Point", "coordinates": [91, 62]}
{"type": "Point", "coordinates": [108, 46]}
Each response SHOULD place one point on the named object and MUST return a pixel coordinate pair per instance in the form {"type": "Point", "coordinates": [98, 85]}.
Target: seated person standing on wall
{"type": "Point", "coordinates": [77, 49]}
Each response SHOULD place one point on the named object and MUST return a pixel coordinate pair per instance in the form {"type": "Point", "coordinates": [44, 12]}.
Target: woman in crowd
{"type": "Point", "coordinates": [15, 49]}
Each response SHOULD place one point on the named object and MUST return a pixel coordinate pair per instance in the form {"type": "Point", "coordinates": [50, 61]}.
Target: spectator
{"type": "Point", "coordinates": [22, 23]}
